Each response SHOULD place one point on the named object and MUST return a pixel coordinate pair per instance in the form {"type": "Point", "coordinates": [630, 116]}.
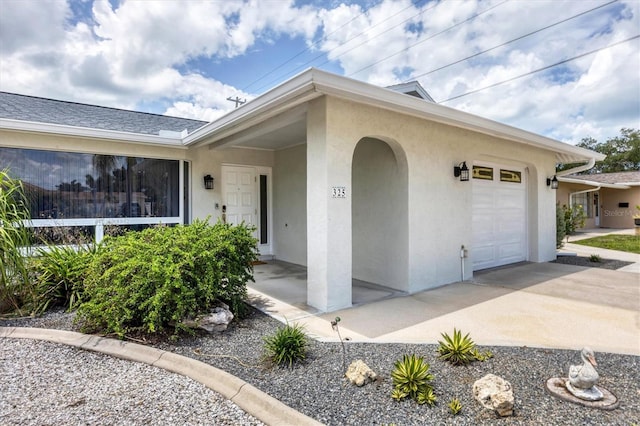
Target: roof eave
{"type": "Point", "coordinates": [313, 83]}
{"type": "Point", "coordinates": [85, 132]}
{"type": "Point", "coordinates": [593, 183]}
{"type": "Point", "coordinates": [339, 86]}
{"type": "Point", "coordinates": [293, 92]}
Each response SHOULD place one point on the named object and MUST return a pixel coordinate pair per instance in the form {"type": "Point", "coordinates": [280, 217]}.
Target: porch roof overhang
{"type": "Point", "coordinates": [593, 183]}
{"type": "Point", "coordinates": [233, 129]}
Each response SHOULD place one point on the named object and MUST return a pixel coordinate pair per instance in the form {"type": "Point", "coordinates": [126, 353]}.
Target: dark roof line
{"type": "Point", "coordinates": [45, 110]}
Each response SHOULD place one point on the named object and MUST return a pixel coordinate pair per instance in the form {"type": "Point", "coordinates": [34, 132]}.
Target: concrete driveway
{"type": "Point", "coordinates": [532, 304]}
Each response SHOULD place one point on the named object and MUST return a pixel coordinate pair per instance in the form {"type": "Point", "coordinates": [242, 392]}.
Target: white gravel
{"type": "Point", "coordinates": [316, 388]}
{"type": "Point", "coordinates": [44, 383]}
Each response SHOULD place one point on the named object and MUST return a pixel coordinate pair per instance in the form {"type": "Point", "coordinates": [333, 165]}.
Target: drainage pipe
{"type": "Point", "coordinates": [587, 166]}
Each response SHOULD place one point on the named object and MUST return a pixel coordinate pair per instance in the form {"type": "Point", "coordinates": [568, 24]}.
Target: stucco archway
{"type": "Point", "coordinates": [379, 213]}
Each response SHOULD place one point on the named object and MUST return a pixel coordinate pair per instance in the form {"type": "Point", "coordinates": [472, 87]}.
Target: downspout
{"type": "Point", "coordinates": [571, 194]}
{"type": "Point", "coordinates": [590, 164]}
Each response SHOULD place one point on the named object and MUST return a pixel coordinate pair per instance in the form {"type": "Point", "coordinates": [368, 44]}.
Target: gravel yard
{"type": "Point", "coordinates": [316, 388]}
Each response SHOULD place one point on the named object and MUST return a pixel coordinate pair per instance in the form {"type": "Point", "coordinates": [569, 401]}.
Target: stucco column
{"type": "Point", "coordinates": [328, 214]}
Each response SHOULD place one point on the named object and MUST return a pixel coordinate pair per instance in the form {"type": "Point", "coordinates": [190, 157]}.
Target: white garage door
{"type": "Point", "coordinates": [499, 216]}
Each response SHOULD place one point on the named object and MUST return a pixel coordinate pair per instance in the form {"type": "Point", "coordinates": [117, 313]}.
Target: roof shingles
{"type": "Point", "coordinates": [42, 110]}
{"type": "Point", "coordinates": [619, 177]}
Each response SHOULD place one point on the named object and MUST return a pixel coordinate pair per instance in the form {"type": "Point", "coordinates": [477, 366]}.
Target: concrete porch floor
{"type": "Point", "coordinates": [531, 304]}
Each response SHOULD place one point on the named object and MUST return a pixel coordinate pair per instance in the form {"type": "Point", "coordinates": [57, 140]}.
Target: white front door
{"type": "Point", "coordinates": [239, 195]}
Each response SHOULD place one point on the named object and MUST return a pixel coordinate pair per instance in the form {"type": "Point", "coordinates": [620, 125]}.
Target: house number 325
{"type": "Point", "coordinates": [339, 192]}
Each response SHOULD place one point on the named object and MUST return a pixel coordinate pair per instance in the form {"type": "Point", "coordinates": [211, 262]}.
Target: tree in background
{"type": "Point", "coordinates": [623, 153]}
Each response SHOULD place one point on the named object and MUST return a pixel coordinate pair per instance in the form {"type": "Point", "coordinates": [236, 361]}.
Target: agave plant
{"type": "Point", "coordinates": [457, 349]}
{"type": "Point", "coordinates": [411, 376]}
{"type": "Point", "coordinates": [427, 396]}
{"type": "Point", "coordinates": [455, 406]}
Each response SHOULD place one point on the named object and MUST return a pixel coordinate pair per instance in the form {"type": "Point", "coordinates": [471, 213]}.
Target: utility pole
{"type": "Point", "coordinates": [237, 100]}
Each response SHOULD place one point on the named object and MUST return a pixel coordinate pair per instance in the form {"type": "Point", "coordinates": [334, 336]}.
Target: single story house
{"type": "Point", "coordinates": [351, 180]}
{"type": "Point", "coordinates": [609, 200]}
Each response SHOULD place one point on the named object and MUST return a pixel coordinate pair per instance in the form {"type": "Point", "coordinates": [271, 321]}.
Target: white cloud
{"type": "Point", "coordinates": [142, 52]}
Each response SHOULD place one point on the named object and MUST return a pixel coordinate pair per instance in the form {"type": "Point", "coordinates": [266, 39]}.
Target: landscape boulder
{"type": "Point", "coordinates": [359, 373]}
{"type": "Point", "coordinates": [494, 393]}
{"type": "Point", "coordinates": [215, 322]}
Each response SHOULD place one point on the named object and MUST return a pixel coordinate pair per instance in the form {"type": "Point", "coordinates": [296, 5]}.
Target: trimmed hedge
{"type": "Point", "coordinates": [145, 281]}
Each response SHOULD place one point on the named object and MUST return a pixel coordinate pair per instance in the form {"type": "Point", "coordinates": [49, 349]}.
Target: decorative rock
{"type": "Point", "coordinates": [359, 373]}
{"type": "Point", "coordinates": [217, 321]}
{"type": "Point", "coordinates": [494, 393]}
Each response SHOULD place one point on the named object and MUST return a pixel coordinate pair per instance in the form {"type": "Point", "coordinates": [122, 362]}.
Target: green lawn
{"type": "Point", "coordinates": [630, 243]}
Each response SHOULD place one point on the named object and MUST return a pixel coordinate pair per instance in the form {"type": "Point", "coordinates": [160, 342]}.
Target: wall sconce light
{"type": "Point", "coordinates": [552, 182]}
{"type": "Point", "coordinates": [208, 182]}
{"type": "Point", "coordinates": [461, 171]}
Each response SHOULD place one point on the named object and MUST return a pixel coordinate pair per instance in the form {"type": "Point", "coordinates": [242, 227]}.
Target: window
{"type": "Point", "coordinates": [584, 200]}
{"type": "Point", "coordinates": [77, 189]}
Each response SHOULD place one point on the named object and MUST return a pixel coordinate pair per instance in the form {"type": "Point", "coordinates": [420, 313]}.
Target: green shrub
{"type": "Point", "coordinates": [460, 350]}
{"type": "Point", "coordinates": [287, 345]}
{"type": "Point", "coordinates": [574, 218]}
{"type": "Point", "coordinates": [15, 284]}
{"type": "Point", "coordinates": [561, 228]}
{"type": "Point", "coordinates": [411, 378]}
{"type": "Point", "coordinates": [60, 272]}
{"type": "Point", "coordinates": [160, 276]}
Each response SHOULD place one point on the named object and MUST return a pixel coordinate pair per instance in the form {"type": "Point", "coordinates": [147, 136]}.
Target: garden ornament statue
{"type": "Point", "coordinates": [583, 378]}
{"type": "Point", "coordinates": [580, 387]}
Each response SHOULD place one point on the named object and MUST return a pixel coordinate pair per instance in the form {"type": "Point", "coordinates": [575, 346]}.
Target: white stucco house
{"type": "Point", "coordinates": [351, 180]}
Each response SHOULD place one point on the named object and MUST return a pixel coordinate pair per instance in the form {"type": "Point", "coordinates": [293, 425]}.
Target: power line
{"type": "Point", "coordinates": [511, 41]}
{"type": "Point", "coordinates": [378, 35]}
{"type": "Point", "coordinates": [349, 40]}
{"type": "Point", "coordinates": [541, 69]}
{"type": "Point", "coordinates": [426, 39]}
{"type": "Point", "coordinates": [365, 10]}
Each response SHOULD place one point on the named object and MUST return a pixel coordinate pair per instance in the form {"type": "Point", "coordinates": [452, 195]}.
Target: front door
{"type": "Point", "coordinates": [239, 195]}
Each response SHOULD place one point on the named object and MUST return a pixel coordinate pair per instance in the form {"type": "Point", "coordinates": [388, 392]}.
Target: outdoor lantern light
{"type": "Point", "coordinates": [553, 183]}
{"type": "Point", "coordinates": [208, 182]}
{"type": "Point", "coordinates": [462, 171]}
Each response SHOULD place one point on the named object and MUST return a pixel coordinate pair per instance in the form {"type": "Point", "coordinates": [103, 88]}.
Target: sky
{"type": "Point", "coordinates": [493, 58]}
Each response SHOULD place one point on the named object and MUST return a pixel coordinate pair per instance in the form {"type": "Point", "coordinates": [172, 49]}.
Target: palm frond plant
{"type": "Point", "coordinates": [14, 239]}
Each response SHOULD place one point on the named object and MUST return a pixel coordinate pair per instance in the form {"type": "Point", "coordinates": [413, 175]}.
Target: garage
{"type": "Point", "coordinates": [499, 215]}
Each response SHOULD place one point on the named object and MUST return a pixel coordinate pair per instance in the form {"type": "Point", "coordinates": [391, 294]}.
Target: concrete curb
{"type": "Point", "coordinates": [252, 400]}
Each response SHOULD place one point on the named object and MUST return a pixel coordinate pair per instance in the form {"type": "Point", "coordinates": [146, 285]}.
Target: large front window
{"type": "Point", "coordinates": [65, 187]}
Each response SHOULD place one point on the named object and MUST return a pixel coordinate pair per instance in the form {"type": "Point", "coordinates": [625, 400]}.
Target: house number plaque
{"type": "Point", "coordinates": [339, 192]}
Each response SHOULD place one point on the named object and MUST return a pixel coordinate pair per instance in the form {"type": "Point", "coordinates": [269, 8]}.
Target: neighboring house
{"type": "Point", "coordinates": [351, 180]}
{"type": "Point", "coordinates": [609, 200]}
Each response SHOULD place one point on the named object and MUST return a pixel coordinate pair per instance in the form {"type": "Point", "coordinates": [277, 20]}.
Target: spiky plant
{"type": "Point", "coordinates": [457, 349]}
{"type": "Point", "coordinates": [455, 406]}
{"type": "Point", "coordinates": [287, 345]}
{"type": "Point", "coordinates": [411, 375]}
{"type": "Point", "coordinates": [427, 396]}
{"type": "Point", "coordinates": [398, 395]}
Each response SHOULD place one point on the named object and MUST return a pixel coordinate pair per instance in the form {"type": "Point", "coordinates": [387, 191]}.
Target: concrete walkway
{"type": "Point", "coordinates": [532, 304]}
